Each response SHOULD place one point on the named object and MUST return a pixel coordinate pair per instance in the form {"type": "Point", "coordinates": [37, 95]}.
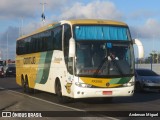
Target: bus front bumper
{"type": "Point", "coordinates": [103, 92]}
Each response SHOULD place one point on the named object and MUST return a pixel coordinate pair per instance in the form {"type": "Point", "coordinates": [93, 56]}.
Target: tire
{"type": "Point", "coordinates": [138, 87]}
{"type": "Point", "coordinates": [23, 84]}
{"type": "Point", "coordinates": [26, 87]}
{"type": "Point", "coordinates": [3, 76]}
{"type": "Point", "coordinates": [58, 89]}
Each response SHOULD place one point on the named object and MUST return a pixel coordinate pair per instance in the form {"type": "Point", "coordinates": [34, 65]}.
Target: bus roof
{"type": "Point", "coordinates": [38, 31]}
{"type": "Point", "coordinates": [94, 21]}
{"type": "Point", "coordinates": [73, 22]}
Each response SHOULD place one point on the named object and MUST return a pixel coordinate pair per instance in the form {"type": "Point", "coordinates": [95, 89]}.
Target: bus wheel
{"type": "Point", "coordinates": [138, 87]}
{"type": "Point", "coordinates": [27, 88]}
{"type": "Point", "coordinates": [61, 99]}
{"type": "Point", "coordinates": [23, 85]}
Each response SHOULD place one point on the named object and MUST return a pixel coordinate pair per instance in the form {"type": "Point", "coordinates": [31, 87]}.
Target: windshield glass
{"type": "Point", "coordinates": [146, 73]}
{"type": "Point", "coordinates": [107, 56]}
{"type": "Point", "coordinates": [102, 58]}
{"type": "Point", "coordinates": [1, 63]}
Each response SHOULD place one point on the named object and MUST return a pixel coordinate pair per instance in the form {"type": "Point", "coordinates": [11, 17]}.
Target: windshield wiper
{"type": "Point", "coordinates": [100, 66]}
{"type": "Point", "coordinates": [117, 66]}
{"type": "Point", "coordinates": [103, 62]}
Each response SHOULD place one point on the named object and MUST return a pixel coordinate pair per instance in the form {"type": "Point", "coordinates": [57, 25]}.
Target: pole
{"type": "Point", "coordinates": [22, 26]}
{"type": "Point", "coordinates": [7, 47]}
{"type": "Point", "coordinates": [151, 61]}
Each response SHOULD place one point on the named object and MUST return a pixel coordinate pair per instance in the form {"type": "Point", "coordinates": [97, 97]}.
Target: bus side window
{"type": "Point", "coordinates": [50, 40]}
{"type": "Point", "coordinates": [57, 38]}
{"type": "Point", "coordinates": [20, 47]}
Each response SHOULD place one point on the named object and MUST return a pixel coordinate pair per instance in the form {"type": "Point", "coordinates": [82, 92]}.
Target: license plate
{"type": "Point", "coordinates": [107, 92]}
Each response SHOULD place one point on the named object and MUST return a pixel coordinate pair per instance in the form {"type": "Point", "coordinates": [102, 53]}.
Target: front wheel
{"type": "Point", "coordinates": [61, 98]}
{"type": "Point", "coordinates": [138, 87]}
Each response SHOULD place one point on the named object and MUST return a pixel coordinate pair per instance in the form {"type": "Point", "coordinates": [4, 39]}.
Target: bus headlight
{"type": "Point", "coordinates": [83, 85]}
{"type": "Point", "coordinates": [128, 84]}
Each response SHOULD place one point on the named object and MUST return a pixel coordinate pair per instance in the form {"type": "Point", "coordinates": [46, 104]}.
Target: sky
{"type": "Point", "coordinates": [24, 16]}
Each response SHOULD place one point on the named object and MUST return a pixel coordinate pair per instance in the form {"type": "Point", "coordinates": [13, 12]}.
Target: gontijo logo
{"type": "Point", "coordinates": [29, 60]}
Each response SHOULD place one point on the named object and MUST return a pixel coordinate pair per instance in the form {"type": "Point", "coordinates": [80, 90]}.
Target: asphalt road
{"type": "Point", "coordinates": [12, 98]}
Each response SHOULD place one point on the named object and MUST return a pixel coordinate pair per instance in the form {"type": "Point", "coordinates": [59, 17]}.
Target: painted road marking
{"type": "Point", "coordinates": [75, 109]}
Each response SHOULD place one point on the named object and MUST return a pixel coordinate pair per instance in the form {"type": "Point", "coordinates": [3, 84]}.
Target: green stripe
{"type": "Point", "coordinates": [120, 80]}
{"type": "Point", "coordinates": [44, 67]}
{"type": "Point", "coordinates": [40, 67]}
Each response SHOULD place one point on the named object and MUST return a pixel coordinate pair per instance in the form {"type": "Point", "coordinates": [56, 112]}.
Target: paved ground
{"type": "Point", "coordinates": [13, 99]}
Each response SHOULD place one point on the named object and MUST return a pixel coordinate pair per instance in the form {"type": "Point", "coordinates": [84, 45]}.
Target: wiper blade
{"type": "Point", "coordinates": [118, 67]}
{"type": "Point", "coordinates": [100, 66]}
{"type": "Point", "coordinates": [103, 62]}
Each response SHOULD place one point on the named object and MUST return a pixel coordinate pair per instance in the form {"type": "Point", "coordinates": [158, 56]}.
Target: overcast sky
{"type": "Point", "coordinates": [142, 16]}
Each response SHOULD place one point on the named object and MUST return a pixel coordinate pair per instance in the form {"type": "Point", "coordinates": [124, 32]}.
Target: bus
{"type": "Point", "coordinates": [83, 58]}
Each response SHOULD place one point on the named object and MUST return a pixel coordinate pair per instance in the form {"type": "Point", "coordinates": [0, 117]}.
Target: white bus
{"type": "Point", "coordinates": [77, 59]}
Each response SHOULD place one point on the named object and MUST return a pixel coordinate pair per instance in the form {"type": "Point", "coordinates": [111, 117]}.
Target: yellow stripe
{"type": "Point", "coordinates": [98, 82]}
{"type": "Point", "coordinates": [26, 66]}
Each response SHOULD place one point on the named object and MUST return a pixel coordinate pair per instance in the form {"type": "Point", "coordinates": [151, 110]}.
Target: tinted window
{"type": "Point", "coordinates": [11, 65]}
{"type": "Point", "coordinates": [45, 41]}
{"type": "Point", "coordinates": [57, 36]}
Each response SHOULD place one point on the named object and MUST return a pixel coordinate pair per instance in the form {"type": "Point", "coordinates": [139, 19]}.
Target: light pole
{"type": "Point", "coordinates": [7, 47]}
{"type": "Point", "coordinates": [151, 60]}
{"type": "Point", "coordinates": [43, 15]}
{"type": "Point", "coordinates": [21, 27]}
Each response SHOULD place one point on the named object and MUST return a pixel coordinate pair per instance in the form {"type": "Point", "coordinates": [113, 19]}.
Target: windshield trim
{"type": "Point", "coordinates": [105, 76]}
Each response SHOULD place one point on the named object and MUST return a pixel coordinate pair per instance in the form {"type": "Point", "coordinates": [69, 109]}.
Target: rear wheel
{"type": "Point", "coordinates": [23, 84]}
{"type": "Point", "coordinates": [26, 87]}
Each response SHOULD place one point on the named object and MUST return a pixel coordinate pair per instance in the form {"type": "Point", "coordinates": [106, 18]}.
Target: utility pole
{"type": "Point", "coordinates": [21, 27]}
{"type": "Point", "coordinates": [154, 57]}
{"type": "Point", "coordinates": [7, 48]}
{"type": "Point", "coordinates": [43, 15]}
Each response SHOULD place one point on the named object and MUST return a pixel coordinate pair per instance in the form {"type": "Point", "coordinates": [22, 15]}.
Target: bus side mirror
{"type": "Point", "coordinates": [140, 48]}
{"type": "Point", "coordinates": [72, 47]}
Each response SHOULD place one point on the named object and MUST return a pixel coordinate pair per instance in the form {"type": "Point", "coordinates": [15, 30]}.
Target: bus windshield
{"type": "Point", "coordinates": [105, 56]}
